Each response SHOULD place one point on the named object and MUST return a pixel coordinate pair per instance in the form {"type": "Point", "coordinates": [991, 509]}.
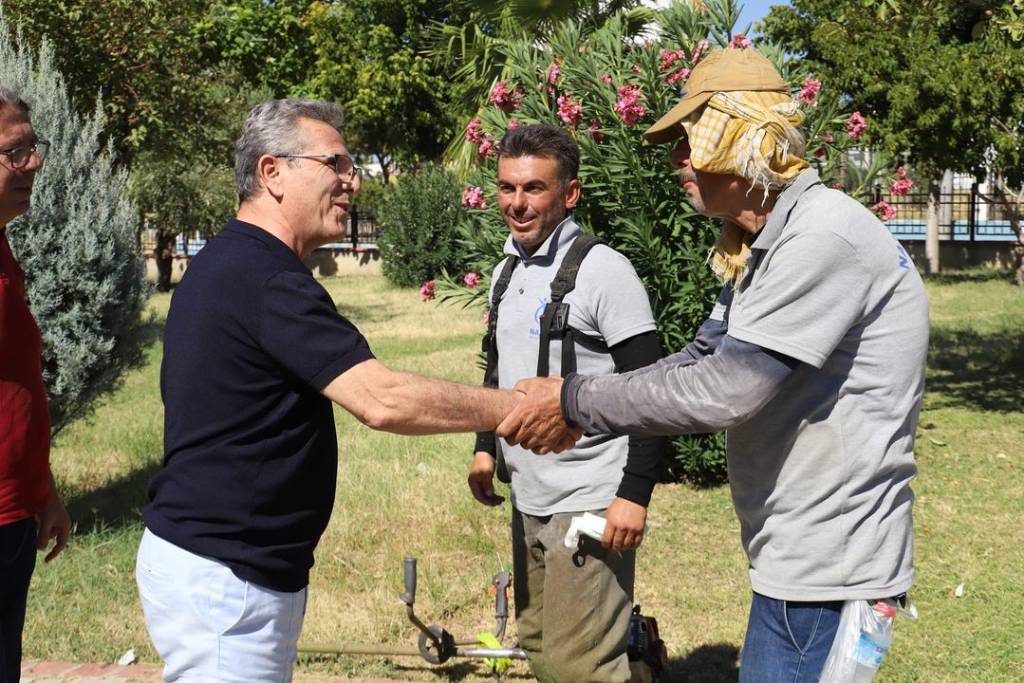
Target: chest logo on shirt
{"type": "Point", "coordinates": [537, 313]}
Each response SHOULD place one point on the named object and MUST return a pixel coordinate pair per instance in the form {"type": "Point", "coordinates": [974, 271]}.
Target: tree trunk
{"type": "Point", "coordinates": [385, 167]}
{"type": "Point", "coordinates": [931, 244]}
{"type": "Point", "coordinates": [164, 255]}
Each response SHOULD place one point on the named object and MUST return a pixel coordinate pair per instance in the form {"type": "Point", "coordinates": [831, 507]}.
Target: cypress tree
{"type": "Point", "coordinates": [78, 245]}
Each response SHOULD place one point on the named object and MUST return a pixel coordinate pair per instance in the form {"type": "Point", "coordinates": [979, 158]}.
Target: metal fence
{"type": "Point", "coordinates": [965, 215]}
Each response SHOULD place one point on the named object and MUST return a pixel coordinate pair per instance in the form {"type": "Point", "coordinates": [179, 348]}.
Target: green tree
{"type": "Point", "coordinates": [266, 42]}
{"type": "Point", "coordinates": [942, 81]}
{"type": "Point", "coordinates": [398, 104]}
{"type": "Point", "coordinates": [176, 79]}
{"type": "Point", "coordinates": [78, 244]}
{"type": "Point", "coordinates": [139, 55]}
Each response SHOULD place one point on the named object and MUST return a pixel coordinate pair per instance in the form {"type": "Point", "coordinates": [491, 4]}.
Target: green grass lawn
{"type": "Point", "coordinates": [402, 497]}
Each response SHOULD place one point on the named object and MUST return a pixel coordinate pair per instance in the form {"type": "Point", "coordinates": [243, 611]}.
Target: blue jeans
{"type": "Point", "coordinates": [788, 642]}
{"type": "Point", "coordinates": [17, 561]}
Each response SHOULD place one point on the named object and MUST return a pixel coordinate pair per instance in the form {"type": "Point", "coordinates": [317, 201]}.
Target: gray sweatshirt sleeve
{"type": "Point", "coordinates": [683, 397]}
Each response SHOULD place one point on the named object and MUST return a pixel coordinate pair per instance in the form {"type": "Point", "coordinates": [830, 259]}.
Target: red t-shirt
{"type": "Point", "coordinates": [24, 412]}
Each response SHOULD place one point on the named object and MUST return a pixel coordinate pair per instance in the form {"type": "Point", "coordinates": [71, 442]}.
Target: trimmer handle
{"type": "Point", "coordinates": [501, 582]}
{"type": "Point", "coordinates": [409, 595]}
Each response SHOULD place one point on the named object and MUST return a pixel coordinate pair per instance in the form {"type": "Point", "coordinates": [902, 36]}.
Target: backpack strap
{"type": "Point", "coordinates": [554, 322]}
{"type": "Point", "coordinates": [490, 342]}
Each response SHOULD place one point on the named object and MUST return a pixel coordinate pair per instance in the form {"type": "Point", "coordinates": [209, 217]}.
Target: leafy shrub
{"type": "Point", "coordinates": [418, 217]}
{"type": "Point", "coordinates": [607, 88]}
{"type": "Point", "coordinates": [78, 245]}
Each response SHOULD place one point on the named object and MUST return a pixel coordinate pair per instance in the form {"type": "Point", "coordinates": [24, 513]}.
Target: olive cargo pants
{"type": "Point", "coordinates": [573, 605]}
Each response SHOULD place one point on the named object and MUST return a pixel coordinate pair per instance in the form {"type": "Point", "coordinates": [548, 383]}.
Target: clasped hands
{"type": "Point", "coordinates": [536, 422]}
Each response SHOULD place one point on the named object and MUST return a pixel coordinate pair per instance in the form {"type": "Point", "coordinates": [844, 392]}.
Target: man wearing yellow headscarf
{"type": "Point", "coordinates": [812, 360]}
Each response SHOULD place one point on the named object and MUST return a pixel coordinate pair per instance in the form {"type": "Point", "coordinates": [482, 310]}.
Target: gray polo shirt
{"type": "Point", "coordinates": [821, 457]}
{"type": "Point", "coordinates": [821, 475]}
{"type": "Point", "coordinates": [609, 302]}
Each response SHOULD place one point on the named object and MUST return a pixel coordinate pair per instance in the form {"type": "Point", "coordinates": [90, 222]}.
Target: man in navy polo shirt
{"type": "Point", "coordinates": [254, 353]}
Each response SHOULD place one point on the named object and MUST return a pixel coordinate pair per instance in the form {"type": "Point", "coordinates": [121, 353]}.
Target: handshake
{"type": "Point", "coordinates": [536, 422]}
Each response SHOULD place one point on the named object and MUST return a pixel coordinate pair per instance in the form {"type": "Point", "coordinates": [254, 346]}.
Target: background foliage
{"type": "Point", "coordinates": [941, 80]}
{"type": "Point", "coordinates": [418, 217]}
{"type": "Point", "coordinates": [78, 244]}
{"type": "Point", "coordinates": [606, 86]}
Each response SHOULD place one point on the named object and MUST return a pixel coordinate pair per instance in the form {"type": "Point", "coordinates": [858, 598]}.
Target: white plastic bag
{"type": "Point", "coordinates": [862, 640]}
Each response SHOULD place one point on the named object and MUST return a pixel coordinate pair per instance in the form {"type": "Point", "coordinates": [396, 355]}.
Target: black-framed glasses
{"type": "Point", "coordinates": [20, 156]}
{"type": "Point", "coordinates": [342, 163]}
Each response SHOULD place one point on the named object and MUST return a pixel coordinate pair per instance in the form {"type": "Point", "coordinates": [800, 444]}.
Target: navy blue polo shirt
{"type": "Point", "coordinates": [250, 450]}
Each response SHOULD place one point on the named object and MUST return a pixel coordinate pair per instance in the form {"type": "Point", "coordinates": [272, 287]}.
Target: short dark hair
{"type": "Point", "coordinates": [543, 140]}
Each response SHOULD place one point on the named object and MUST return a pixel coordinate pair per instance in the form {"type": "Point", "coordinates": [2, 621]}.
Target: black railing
{"type": "Point", "coordinates": [965, 215]}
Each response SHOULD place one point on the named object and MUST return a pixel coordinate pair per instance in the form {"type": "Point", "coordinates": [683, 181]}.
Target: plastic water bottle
{"type": "Point", "coordinates": [874, 641]}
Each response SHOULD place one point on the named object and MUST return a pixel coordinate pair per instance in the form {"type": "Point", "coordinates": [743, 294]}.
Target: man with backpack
{"type": "Point", "coordinates": [562, 301]}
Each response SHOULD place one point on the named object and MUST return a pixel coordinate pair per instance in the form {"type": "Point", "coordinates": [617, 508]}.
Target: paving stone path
{"type": "Point", "coordinates": [34, 671]}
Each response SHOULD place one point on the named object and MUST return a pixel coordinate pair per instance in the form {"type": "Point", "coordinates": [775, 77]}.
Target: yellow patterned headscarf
{"type": "Point", "coordinates": [753, 135]}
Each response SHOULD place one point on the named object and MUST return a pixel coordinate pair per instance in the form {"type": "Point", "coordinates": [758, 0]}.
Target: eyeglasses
{"type": "Point", "coordinates": [342, 163]}
{"type": "Point", "coordinates": [20, 156]}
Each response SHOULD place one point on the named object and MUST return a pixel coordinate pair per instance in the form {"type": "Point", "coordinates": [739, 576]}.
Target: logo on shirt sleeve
{"type": "Point", "coordinates": [904, 257]}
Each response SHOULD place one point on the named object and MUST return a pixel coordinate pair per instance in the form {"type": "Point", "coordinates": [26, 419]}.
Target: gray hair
{"type": "Point", "coordinates": [9, 97]}
{"type": "Point", "coordinates": [272, 128]}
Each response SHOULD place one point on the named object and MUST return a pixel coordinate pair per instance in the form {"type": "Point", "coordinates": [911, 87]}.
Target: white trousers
{"type": "Point", "coordinates": [210, 626]}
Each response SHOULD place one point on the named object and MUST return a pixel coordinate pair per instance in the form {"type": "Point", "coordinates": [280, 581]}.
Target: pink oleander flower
{"type": "Point", "coordinates": [628, 106]}
{"type": "Point", "coordinates": [427, 291]}
{"type": "Point", "coordinates": [473, 197]}
{"type": "Point", "coordinates": [487, 317]}
{"type": "Point", "coordinates": [553, 72]}
{"type": "Point", "coordinates": [570, 109]}
{"type": "Point", "coordinates": [595, 130]}
{"type": "Point", "coordinates": [740, 42]}
{"type": "Point", "coordinates": [838, 186]}
{"type": "Point", "coordinates": [677, 75]}
{"type": "Point", "coordinates": [884, 210]}
{"type": "Point", "coordinates": [487, 147]}
{"type": "Point", "coordinates": [473, 132]}
{"type": "Point", "coordinates": [902, 185]}
{"type": "Point", "coordinates": [513, 124]}
{"type": "Point", "coordinates": [471, 280]}
{"type": "Point", "coordinates": [669, 58]}
{"type": "Point", "coordinates": [856, 125]}
{"type": "Point", "coordinates": [506, 98]}
{"type": "Point", "coordinates": [809, 93]}
{"type": "Point", "coordinates": [698, 51]}
{"type": "Point", "coordinates": [827, 137]}
{"type": "Point", "coordinates": [606, 79]}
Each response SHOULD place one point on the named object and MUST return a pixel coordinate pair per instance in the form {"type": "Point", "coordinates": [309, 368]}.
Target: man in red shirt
{"type": "Point", "coordinates": [31, 511]}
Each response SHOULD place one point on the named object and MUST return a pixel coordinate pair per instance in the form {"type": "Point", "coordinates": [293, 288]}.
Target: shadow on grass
{"type": "Point", "coordinates": [364, 314]}
{"type": "Point", "coordinates": [717, 663]}
{"type": "Point", "coordinates": [114, 506]}
{"type": "Point", "coordinates": [972, 369]}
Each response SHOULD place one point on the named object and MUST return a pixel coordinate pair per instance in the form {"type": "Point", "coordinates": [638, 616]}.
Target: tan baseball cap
{"type": "Point", "coordinates": [720, 71]}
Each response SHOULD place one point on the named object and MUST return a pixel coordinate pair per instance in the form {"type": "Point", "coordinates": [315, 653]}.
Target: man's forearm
{"type": "Point", "coordinates": [715, 393]}
{"type": "Point", "coordinates": [406, 403]}
{"type": "Point", "coordinates": [421, 405]}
